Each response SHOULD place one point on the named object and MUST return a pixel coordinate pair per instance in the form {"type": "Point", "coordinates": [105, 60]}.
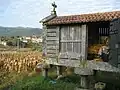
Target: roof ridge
{"type": "Point", "coordinates": [85, 18]}
{"type": "Point", "coordinates": [90, 13]}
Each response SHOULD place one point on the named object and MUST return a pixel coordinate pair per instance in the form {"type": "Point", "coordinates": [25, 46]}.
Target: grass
{"type": "Point", "coordinates": [35, 81]}
{"type": "Point", "coordinates": [6, 78]}
{"type": "Point", "coordinates": [40, 83]}
{"type": "Point", "coordinates": [14, 81]}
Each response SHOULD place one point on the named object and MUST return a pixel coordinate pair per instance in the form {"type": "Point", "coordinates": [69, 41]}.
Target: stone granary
{"type": "Point", "coordinates": [67, 39]}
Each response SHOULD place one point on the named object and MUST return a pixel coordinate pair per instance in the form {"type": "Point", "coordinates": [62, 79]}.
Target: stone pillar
{"type": "Point", "coordinates": [84, 83]}
{"type": "Point", "coordinates": [45, 72]}
{"type": "Point", "coordinates": [85, 74]}
{"type": "Point", "coordinates": [59, 70]}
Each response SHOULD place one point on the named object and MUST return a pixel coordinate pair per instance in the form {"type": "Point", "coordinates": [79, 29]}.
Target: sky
{"type": "Point", "coordinates": [28, 13]}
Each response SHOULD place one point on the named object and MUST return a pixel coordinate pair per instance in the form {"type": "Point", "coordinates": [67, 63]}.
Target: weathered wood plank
{"type": "Point", "coordinates": [51, 42]}
{"type": "Point", "coordinates": [51, 55]}
{"type": "Point", "coordinates": [52, 47]}
{"type": "Point", "coordinates": [64, 33]}
{"type": "Point", "coordinates": [63, 47]}
{"type": "Point", "coordinates": [51, 34]}
{"type": "Point", "coordinates": [86, 47]}
{"type": "Point", "coordinates": [44, 39]}
{"type": "Point", "coordinates": [51, 38]}
{"type": "Point", "coordinates": [51, 30]}
{"type": "Point", "coordinates": [70, 55]}
{"type": "Point", "coordinates": [71, 41]}
{"type": "Point", "coordinates": [84, 41]}
{"type": "Point", "coordinates": [57, 42]}
{"type": "Point", "coordinates": [51, 50]}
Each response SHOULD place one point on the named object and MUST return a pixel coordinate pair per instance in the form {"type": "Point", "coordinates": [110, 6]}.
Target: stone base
{"type": "Point", "coordinates": [59, 70]}
{"type": "Point", "coordinates": [82, 89]}
{"type": "Point", "coordinates": [83, 71]}
{"type": "Point", "coordinates": [45, 72]}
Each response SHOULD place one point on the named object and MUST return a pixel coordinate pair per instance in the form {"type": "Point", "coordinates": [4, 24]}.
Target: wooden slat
{"type": "Point", "coordinates": [52, 30]}
{"type": "Point", "coordinates": [51, 50]}
{"type": "Point", "coordinates": [44, 39]}
{"type": "Point", "coordinates": [71, 41]}
{"type": "Point", "coordinates": [84, 42]}
{"type": "Point", "coordinates": [103, 31]}
{"type": "Point", "coordinates": [79, 33]}
{"type": "Point", "coordinates": [51, 38]}
{"type": "Point", "coordinates": [51, 55]}
{"type": "Point", "coordinates": [51, 34]}
{"type": "Point", "coordinates": [52, 47]}
{"type": "Point", "coordinates": [58, 39]}
{"type": "Point", "coordinates": [64, 33]}
{"type": "Point", "coordinates": [51, 42]}
{"type": "Point", "coordinates": [70, 55]}
{"type": "Point", "coordinates": [63, 47]}
{"type": "Point", "coordinates": [86, 49]}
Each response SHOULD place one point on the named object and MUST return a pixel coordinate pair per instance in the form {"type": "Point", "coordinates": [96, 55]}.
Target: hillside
{"type": "Point", "coordinates": [19, 31]}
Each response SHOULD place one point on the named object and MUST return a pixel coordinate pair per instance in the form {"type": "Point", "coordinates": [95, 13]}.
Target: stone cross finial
{"type": "Point", "coordinates": [54, 6]}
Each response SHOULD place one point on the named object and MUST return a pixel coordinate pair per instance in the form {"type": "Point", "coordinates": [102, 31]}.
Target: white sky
{"type": "Point", "coordinates": [28, 13]}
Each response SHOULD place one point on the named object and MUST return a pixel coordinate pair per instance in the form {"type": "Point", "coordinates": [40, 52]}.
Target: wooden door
{"type": "Point", "coordinates": [73, 42]}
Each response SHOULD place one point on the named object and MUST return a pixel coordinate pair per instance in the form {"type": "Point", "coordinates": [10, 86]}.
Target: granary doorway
{"type": "Point", "coordinates": [73, 42]}
{"type": "Point", "coordinates": [97, 32]}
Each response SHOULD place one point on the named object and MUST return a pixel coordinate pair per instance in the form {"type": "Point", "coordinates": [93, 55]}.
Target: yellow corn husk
{"type": "Point", "coordinates": [19, 61]}
{"type": "Point", "coordinates": [94, 48]}
{"type": "Point", "coordinates": [98, 60]}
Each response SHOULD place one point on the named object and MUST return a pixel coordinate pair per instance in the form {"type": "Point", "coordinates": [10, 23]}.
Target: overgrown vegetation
{"type": "Point", "coordinates": [9, 78]}
{"type": "Point", "coordinates": [24, 81]}
{"type": "Point", "coordinates": [40, 83]}
{"type": "Point", "coordinates": [34, 81]}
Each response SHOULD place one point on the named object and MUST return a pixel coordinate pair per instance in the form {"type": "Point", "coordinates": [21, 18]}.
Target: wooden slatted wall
{"type": "Point", "coordinates": [52, 42]}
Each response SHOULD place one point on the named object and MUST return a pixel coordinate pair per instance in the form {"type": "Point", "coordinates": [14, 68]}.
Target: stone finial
{"type": "Point", "coordinates": [54, 7]}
